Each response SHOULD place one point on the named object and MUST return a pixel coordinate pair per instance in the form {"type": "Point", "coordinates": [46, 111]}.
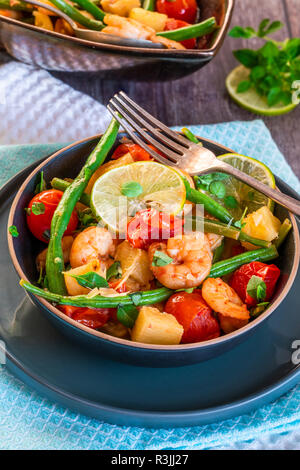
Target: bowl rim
{"type": "Point", "coordinates": [125, 342]}
{"type": "Point", "coordinates": [167, 53]}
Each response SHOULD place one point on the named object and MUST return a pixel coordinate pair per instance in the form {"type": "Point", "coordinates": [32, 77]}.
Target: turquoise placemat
{"type": "Point", "coordinates": [28, 421]}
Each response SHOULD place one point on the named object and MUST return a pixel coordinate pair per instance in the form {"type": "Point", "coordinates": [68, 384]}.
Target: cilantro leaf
{"type": "Point", "coordinates": [257, 288]}
{"type": "Point", "coordinates": [90, 280]}
{"type": "Point", "coordinates": [13, 231]}
{"type": "Point", "coordinates": [231, 202]}
{"type": "Point", "coordinates": [161, 259]}
{"type": "Point", "coordinates": [131, 189]}
{"type": "Point", "coordinates": [38, 208]}
{"type": "Point", "coordinates": [218, 189]}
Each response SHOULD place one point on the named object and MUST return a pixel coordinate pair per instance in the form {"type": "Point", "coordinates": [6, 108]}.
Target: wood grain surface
{"type": "Point", "coordinates": [201, 98]}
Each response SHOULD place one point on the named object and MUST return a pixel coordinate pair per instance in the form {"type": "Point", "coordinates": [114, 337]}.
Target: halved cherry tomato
{"type": "Point", "coordinates": [150, 225]}
{"type": "Point", "coordinates": [137, 152]}
{"type": "Point", "coordinates": [269, 273]}
{"type": "Point", "coordinates": [172, 24]}
{"type": "Point", "coordinates": [40, 224]}
{"type": "Point", "coordinates": [196, 317]}
{"type": "Point", "coordinates": [185, 10]}
{"type": "Point", "coordinates": [92, 317]}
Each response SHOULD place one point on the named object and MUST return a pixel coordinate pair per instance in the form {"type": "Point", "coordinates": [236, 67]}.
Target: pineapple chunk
{"type": "Point", "coordinates": [154, 20]}
{"type": "Point", "coordinates": [261, 224]}
{"type": "Point", "coordinates": [155, 327]}
{"type": "Point", "coordinates": [124, 160]}
{"type": "Point", "coordinates": [72, 285]}
{"type": "Point", "coordinates": [135, 266]}
{"type": "Point", "coordinates": [119, 7]}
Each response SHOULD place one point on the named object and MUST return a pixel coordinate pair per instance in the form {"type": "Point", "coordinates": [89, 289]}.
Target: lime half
{"type": "Point", "coordinates": [251, 100]}
{"type": "Point", "coordinates": [244, 194]}
{"type": "Point", "coordinates": [121, 192]}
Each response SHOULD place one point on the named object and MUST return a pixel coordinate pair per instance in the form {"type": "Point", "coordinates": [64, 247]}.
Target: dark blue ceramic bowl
{"type": "Point", "coordinates": [23, 250]}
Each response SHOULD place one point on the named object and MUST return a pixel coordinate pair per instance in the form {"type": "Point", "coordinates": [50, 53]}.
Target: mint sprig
{"type": "Point", "coordinates": [274, 67]}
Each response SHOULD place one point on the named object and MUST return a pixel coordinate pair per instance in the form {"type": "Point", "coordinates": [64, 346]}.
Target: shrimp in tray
{"type": "Point", "coordinates": [189, 259]}
{"type": "Point", "coordinates": [232, 312]}
{"type": "Point", "coordinates": [130, 28]}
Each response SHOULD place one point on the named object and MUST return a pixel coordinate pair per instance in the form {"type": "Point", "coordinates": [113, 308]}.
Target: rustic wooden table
{"type": "Point", "coordinates": [201, 97]}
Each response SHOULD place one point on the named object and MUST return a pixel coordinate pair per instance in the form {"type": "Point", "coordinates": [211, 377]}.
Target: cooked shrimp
{"type": "Point", "coordinates": [129, 28]}
{"type": "Point", "coordinates": [66, 245]}
{"type": "Point", "coordinates": [232, 312]}
{"type": "Point", "coordinates": [92, 243]}
{"type": "Point", "coordinates": [214, 240]}
{"type": "Point", "coordinates": [191, 264]}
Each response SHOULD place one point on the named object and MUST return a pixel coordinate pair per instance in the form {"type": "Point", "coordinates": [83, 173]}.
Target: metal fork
{"type": "Point", "coordinates": [180, 152]}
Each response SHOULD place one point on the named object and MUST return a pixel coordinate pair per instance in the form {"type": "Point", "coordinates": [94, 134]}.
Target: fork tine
{"type": "Point", "coordinates": [143, 123]}
{"type": "Point", "coordinates": [169, 153]}
{"type": "Point", "coordinates": [179, 138]}
{"type": "Point", "coordinates": [137, 139]}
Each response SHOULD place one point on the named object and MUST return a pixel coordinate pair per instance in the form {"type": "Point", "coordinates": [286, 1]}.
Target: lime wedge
{"type": "Point", "coordinates": [244, 194]}
{"type": "Point", "coordinates": [122, 191]}
{"type": "Point", "coordinates": [251, 100]}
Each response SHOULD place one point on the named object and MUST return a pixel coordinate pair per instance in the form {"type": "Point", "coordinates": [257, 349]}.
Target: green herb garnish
{"type": "Point", "coordinates": [38, 208]}
{"type": "Point", "coordinates": [114, 271]}
{"type": "Point", "coordinates": [231, 202]}
{"type": "Point", "coordinates": [13, 231]}
{"type": "Point", "coordinates": [257, 288]}
{"type": "Point", "coordinates": [131, 189]}
{"type": "Point", "coordinates": [90, 280]}
{"type": "Point", "coordinates": [41, 186]}
{"type": "Point", "coordinates": [127, 315]}
{"type": "Point", "coordinates": [218, 189]}
{"type": "Point", "coordinates": [135, 297]}
{"type": "Point", "coordinates": [161, 259]}
{"type": "Point", "coordinates": [273, 68]}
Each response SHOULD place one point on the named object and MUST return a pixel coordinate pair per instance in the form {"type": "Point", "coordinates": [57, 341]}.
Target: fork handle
{"type": "Point", "coordinates": [290, 203]}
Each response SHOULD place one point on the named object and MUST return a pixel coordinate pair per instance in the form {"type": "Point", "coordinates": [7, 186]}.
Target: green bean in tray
{"type": "Point", "coordinates": [126, 250]}
{"type": "Point", "coordinates": [174, 26]}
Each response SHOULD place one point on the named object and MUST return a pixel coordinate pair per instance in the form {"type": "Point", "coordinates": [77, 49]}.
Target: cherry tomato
{"type": "Point", "coordinates": [137, 152]}
{"type": "Point", "coordinates": [185, 10]}
{"type": "Point", "coordinates": [196, 317]}
{"type": "Point", "coordinates": [47, 201]}
{"type": "Point", "coordinates": [92, 317]}
{"type": "Point", "coordinates": [150, 225]}
{"type": "Point", "coordinates": [240, 278]}
{"type": "Point", "coordinates": [172, 24]}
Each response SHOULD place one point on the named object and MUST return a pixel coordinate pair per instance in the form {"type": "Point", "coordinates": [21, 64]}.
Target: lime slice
{"type": "Point", "coordinates": [251, 100]}
{"type": "Point", "coordinates": [122, 191]}
{"type": "Point", "coordinates": [244, 194]}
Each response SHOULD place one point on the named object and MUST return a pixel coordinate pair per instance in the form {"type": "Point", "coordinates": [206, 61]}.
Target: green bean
{"type": "Point", "coordinates": [62, 185]}
{"type": "Point", "coordinates": [62, 214]}
{"type": "Point", "coordinates": [149, 5]}
{"type": "Point", "coordinates": [189, 135]}
{"type": "Point", "coordinates": [283, 232]}
{"type": "Point", "coordinates": [146, 297]}
{"type": "Point", "coordinates": [90, 6]}
{"type": "Point", "coordinates": [20, 6]}
{"type": "Point", "coordinates": [210, 205]}
{"type": "Point", "coordinates": [229, 265]}
{"type": "Point", "coordinates": [229, 231]}
{"type": "Point", "coordinates": [192, 31]}
{"type": "Point", "coordinates": [77, 16]}
{"type": "Point", "coordinates": [218, 252]}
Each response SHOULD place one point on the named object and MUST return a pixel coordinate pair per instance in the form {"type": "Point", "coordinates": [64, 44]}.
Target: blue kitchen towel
{"type": "Point", "coordinates": [29, 421]}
